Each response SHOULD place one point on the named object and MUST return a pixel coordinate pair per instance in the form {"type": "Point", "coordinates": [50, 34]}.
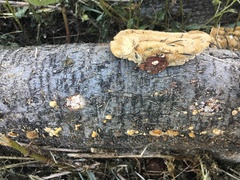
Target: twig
{"type": "Point", "coordinates": [14, 3]}
{"type": "Point", "coordinates": [227, 173]}
{"type": "Point", "coordinates": [15, 158]}
{"type": "Point", "coordinates": [204, 171]}
{"type": "Point", "coordinates": [6, 141]}
{"type": "Point", "coordinates": [17, 165]}
{"type": "Point", "coordinates": [68, 39]}
{"type": "Point", "coordinates": [56, 175]}
{"type": "Point", "coordinates": [113, 155]}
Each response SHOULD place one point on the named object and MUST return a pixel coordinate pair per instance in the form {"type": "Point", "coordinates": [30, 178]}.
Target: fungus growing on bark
{"type": "Point", "coordinates": [172, 133]}
{"type": "Point", "coordinates": [234, 112]}
{"type": "Point", "coordinates": [108, 117]}
{"type": "Point", "coordinates": [217, 131]}
{"type": "Point", "coordinates": [32, 134]}
{"type": "Point", "coordinates": [226, 38]}
{"type": "Point", "coordinates": [77, 126]}
{"type": "Point", "coordinates": [131, 132]}
{"type": "Point", "coordinates": [94, 134]}
{"type": "Point", "coordinates": [12, 134]}
{"type": "Point", "coordinates": [53, 131]}
{"type": "Point", "coordinates": [138, 45]}
{"type": "Point", "coordinates": [53, 104]}
{"type": "Point", "coordinates": [203, 132]}
{"type": "Point", "coordinates": [191, 134]}
{"type": "Point", "coordinates": [156, 132]}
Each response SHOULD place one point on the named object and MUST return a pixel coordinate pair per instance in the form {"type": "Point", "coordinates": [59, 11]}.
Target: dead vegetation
{"type": "Point", "coordinates": [40, 163]}
{"type": "Point", "coordinates": [129, 168]}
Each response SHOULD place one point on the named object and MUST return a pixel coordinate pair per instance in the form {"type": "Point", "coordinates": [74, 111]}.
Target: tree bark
{"type": "Point", "coordinates": [195, 105]}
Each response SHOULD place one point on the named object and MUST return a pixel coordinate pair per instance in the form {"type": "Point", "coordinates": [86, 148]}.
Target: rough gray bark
{"type": "Point", "coordinates": [31, 77]}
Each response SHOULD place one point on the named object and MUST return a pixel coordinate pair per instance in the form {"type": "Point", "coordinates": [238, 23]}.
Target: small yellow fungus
{"type": "Point", "coordinates": [194, 112]}
{"type": "Point", "coordinates": [53, 132]}
{"type": "Point", "coordinates": [32, 134]}
{"type": "Point", "coordinates": [77, 126]}
{"type": "Point", "coordinates": [172, 133]}
{"type": "Point", "coordinates": [53, 104]}
{"type": "Point", "coordinates": [217, 131]}
{"type": "Point", "coordinates": [191, 135]}
{"type": "Point", "coordinates": [132, 132]}
{"type": "Point", "coordinates": [94, 134]}
{"type": "Point", "coordinates": [203, 132]}
{"type": "Point", "coordinates": [234, 112]}
{"type": "Point", "coordinates": [156, 132]}
{"type": "Point", "coordinates": [12, 134]}
{"type": "Point", "coordinates": [108, 117]}
{"type": "Point", "coordinates": [190, 128]}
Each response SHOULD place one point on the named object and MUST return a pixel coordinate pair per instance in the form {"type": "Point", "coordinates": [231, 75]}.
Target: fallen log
{"type": "Point", "coordinates": [82, 97]}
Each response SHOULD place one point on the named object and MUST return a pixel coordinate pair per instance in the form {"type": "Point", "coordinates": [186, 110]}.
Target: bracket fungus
{"type": "Point", "coordinates": [227, 38]}
{"type": "Point", "coordinates": [140, 45]}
